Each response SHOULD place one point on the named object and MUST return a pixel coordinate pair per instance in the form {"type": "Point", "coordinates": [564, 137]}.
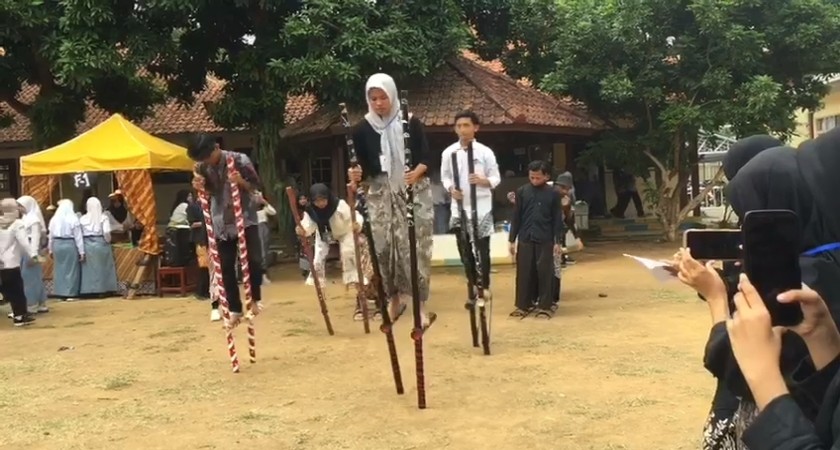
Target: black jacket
{"type": "Point", "coordinates": [782, 425]}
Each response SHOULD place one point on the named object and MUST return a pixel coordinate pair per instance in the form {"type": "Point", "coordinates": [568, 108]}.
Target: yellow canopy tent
{"type": "Point", "coordinates": [114, 145]}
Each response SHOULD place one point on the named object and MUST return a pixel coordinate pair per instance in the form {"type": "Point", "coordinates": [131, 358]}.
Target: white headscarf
{"type": "Point", "coordinates": [33, 213]}
{"type": "Point", "coordinates": [94, 218]}
{"type": "Point", "coordinates": [9, 212]}
{"type": "Point", "coordinates": [390, 129]}
{"type": "Point", "coordinates": [64, 220]}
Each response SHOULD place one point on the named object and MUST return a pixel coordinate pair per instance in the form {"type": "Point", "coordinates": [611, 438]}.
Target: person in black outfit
{"type": "Point", "coordinates": [625, 190]}
{"type": "Point", "coordinates": [198, 232]}
{"type": "Point", "coordinates": [537, 224]}
{"type": "Point", "coordinates": [799, 408]}
{"type": "Point", "coordinates": [719, 431]}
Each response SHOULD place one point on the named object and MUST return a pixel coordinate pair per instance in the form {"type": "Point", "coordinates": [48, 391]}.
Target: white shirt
{"type": "Point", "coordinates": [485, 165]}
{"type": "Point", "coordinates": [178, 218]}
{"type": "Point", "coordinates": [91, 229]}
{"type": "Point", "coordinates": [262, 214]}
{"type": "Point", "coordinates": [13, 242]}
{"type": "Point", "coordinates": [339, 222]}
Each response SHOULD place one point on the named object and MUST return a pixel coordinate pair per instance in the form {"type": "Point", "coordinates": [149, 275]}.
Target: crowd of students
{"type": "Point", "coordinates": [777, 388]}
{"type": "Point", "coordinates": [79, 245]}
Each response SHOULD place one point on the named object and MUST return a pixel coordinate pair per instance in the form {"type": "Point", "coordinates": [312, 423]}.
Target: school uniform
{"type": "Point", "coordinates": [31, 270]}
{"type": "Point", "coordinates": [99, 270]}
{"type": "Point", "coordinates": [66, 245]}
{"type": "Point", "coordinates": [13, 245]}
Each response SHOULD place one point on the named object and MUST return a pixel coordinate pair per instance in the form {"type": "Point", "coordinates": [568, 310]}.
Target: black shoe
{"type": "Point", "coordinates": [569, 261]}
{"type": "Point", "coordinates": [21, 321]}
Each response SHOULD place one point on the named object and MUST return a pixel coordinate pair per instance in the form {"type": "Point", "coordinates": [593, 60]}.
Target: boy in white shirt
{"type": "Point", "coordinates": [485, 178]}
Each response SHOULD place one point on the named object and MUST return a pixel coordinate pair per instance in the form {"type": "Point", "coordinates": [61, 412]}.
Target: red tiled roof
{"type": "Point", "coordinates": [463, 84]}
{"type": "Point", "coordinates": [168, 118]}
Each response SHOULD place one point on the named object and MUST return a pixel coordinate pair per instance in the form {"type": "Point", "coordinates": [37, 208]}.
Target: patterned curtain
{"type": "Point", "coordinates": [40, 187]}
{"type": "Point", "coordinates": [136, 186]}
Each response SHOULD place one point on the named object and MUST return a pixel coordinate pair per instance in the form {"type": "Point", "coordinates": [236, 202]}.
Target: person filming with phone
{"type": "Point", "coordinates": [771, 371]}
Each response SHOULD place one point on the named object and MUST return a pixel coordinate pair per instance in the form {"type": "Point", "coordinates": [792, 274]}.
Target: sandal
{"type": "Point", "coordinates": [543, 314]}
{"type": "Point", "coordinates": [518, 313]}
{"type": "Point", "coordinates": [358, 316]}
{"type": "Point", "coordinates": [554, 307]}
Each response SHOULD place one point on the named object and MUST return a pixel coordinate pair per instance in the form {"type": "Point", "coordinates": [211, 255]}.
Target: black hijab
{"type": "Point", "coordinates": [322, 216]}
{"type": "Point", "coordinates": [744, 150]}
{"type": "Point", "coordinates": [180, 197]}
{"type": "Point", "coordinates": [120, 213]}
{"type": "Point", "coordinates": [781, 178]}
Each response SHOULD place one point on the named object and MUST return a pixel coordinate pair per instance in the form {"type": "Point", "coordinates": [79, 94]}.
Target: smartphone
{"type": "Point", "coordinates": [771, 260]}
{"type": "Point", "coordinates": [720, 245]}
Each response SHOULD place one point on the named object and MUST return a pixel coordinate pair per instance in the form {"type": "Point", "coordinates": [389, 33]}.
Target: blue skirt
{"type": "Point", "coordinates": [33, 282]}
{"type": "Point", "coordinates": [99, 272]}
{"type": "Point", "coordinates": [67, 272]}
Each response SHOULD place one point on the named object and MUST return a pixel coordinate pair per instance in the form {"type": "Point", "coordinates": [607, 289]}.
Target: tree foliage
{"type": "Point", "coordinates": [75, 52]}
{"type": "Point", "coordinates": [267, 50]}
{"type": "Point", "coordinates": [659, 71]}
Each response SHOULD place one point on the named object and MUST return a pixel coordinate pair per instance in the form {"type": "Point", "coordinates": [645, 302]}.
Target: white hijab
{"type": "Point", "coordinates": [9, 213]}
{"type": "Point", "coordinates": [390, 129]}
{"type": "Point", "coordinates": [33, 213]}
{"type": "Point", "coordinates": [64, 220]}
{"type": "Point", "coordinates": [94, 218]}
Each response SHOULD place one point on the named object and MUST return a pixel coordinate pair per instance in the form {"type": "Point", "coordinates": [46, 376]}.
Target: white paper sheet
{"type": "Point", "coordinates": [659, 269]}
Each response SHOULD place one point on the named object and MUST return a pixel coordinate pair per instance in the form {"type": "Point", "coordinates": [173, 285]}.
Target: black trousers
{"type": "Point", "coordinates": [534, 267]}
{"type": "Point", "coordinates": [624, 200]}
{"type": "Point", "coordinates": [468, 257]}
{"type": "Point", "coordinates": [228, 253]}
{"type": "Point", "coordinates": [202, 287]}
{"type": "Point", "coordinates": [11, 285]}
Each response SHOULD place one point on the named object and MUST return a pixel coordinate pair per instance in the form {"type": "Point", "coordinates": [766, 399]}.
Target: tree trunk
{"type": "Point", "coordinates": [268, 146]}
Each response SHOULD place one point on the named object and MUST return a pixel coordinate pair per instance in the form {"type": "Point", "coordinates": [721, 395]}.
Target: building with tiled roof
{"type": "Point", "coordinates": [519, 122]}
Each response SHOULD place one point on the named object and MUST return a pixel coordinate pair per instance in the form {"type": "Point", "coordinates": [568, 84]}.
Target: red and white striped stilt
{"type": "Point", "coordinates": [217, 287]}
{"type": "Point", "coordinates": [250, 308]}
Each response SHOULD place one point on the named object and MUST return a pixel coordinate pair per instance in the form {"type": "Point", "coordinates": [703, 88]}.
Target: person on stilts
{"type": "Point", "coordinates": [211, 175]}
{"type": "Point", "coordinates": [381, 152]}
{"type": "Point", "coordinates": [328, 218]}
{"type": "Point", "coordinates": [486, 177]}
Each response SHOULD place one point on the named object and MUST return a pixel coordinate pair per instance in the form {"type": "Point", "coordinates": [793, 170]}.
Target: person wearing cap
{"type": "Point", "coordinates": [212, 176]}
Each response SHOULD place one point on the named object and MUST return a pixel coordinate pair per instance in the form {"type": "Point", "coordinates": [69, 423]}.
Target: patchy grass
{"type": "Point", "coordinates": [621, 372]}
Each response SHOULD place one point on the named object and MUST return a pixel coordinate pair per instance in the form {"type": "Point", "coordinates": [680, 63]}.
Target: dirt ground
{"type": "Point", "coordinates": [620, 371]}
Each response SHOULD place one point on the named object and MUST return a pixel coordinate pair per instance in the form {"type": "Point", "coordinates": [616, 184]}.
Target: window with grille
{"type": "Point", "coordinates": [824, 124]}
{"type": "Point", "coordinates": [321, 168]}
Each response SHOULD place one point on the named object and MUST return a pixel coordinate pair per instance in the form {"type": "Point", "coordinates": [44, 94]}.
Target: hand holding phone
{"type": "Point", "coordinates": [703, 278]}
{"type": "Point", "coordinates": [771, 260]}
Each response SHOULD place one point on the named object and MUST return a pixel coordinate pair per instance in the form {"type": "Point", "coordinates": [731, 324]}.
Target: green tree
{"type": "Point", "coordinates": [268, 50]}
{"type": "Point", "coordinates": [76, 52]}
{"type": "Point", "coordinates": [657, 72]}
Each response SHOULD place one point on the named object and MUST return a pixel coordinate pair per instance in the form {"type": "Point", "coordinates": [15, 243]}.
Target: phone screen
{"type": "Point", "coordinates": [721, 245]}
{"type": "Point", "coordinates": [771, 260]}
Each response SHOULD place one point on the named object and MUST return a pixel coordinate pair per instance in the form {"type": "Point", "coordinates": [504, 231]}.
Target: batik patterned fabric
{"type": "Point", "coordinates": [390, 235]}
{"type": "Point", "coordinates": [136, 186]}
{"type": "Point", "coordinates": [725, 434]}
{"type": "Point", "coordinates": [40, 187]}
{"type": "Point", "coordinates": [485, 224]}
